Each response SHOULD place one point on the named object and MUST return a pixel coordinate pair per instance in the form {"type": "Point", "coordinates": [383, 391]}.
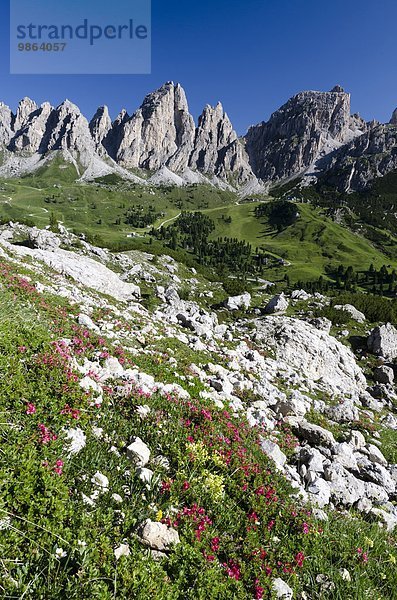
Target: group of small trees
{"type": "Point", "coordinates": [377, 281]}
{"type": "Point", "coordinates": [139, 218]}
{"type": "Point", "coordinates": [381, 282]}
{"type": "Point", "coordinates": [280, 214]}
{"type": "Point", "coordinates": [192, 232]}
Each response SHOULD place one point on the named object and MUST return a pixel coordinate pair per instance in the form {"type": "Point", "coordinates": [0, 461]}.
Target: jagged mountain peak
{"type": "Point", "coordinates": [168, 97]}
{"type": "Point", "coordinates": [102, 110]}
{"type": "Point", "coordinates": [100, 126]}
{"type": "Point", "coordinates": [307, 130]}
{"type": "Point", "coordinates": [46, 106]}
{"type": "Point", "coordinates": [6, 123]}
{"type": "Point", "coordinates": [27, 102]}
{"type": "Point", "coordinates": [122, 116]}
{"type": "Point", "coordinates": [217, 149]}
{"type": "Point", "coordinates": [25, 108]}
{"type": "Point", "coordinates": [308, 125]}
{"type": "Point", "coordinates": [67, 106]}
{"type": "Point", "coordinates": [159, 133]}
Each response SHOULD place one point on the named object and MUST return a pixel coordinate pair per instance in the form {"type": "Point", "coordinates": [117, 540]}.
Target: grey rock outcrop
{"type": "Point", "coordinates": [273, 451]}
{"type": "Point", "coordinates": [238, 302]}
{"type": "Point", "coordinates": [82, 269]}
{"type": "Point", "coordinates": [138, 452]}
{"type": "Point", "coordinates": [100, 126]}
{"type": "Point", "coordinates": [277, 304]}
{"type": "Point", "coordinates": [383, 341]}
{"type": "Point", "coordinates": [309, 125]}
{"type": "Point", "coordinates": [282, 589]}
{"type": "Point", "coordinates": [6, 118]}
{"type": "Point", "coordinates": [393, 120]}
{"type": "Point", "coordinates": [68, 129]}
{"type": "Point", "coordinates": [384, 374]}
{"type": "Point", "coordinates": [25, 108]}
{"type": "Point", "coordinates": [44, 239]}
{"type": "Point", "coordinates": [314, 434]}
{"type": "Point", "coordinates": [160, 132]}
{"type": "Point", "coordinates": [30, 136]}
{"type": "Point", "coordinates": [317, 354]}
{"type": "Point", "coordinates": [345, 488]}
{"type": "Point", "coordinates": [217, 149]}
{"type": "Point", "coordinates": [157, 536]}
{"type": "Point", "coordinates": [353, 312]}
{"type": "Point", "coordinates": [371, 155]}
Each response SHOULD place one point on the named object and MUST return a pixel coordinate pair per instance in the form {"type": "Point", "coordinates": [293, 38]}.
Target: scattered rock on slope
{"type": "Point", "coordinates": [312, 352]}
{"type": "Point", "coordinates": [277, 304]}
{"type": "Point", "coordinates": [353, 312]}
{"type": "Point", "coordinates": [383, 341]}
{"type": "Point", "coordinates": [157, 536]}
{"type": "Point", "coordinates": [238, 302]}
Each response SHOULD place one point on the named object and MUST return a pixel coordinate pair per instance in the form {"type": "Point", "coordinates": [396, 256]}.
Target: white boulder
{"type": "Point", "coordinates": [139, 452]}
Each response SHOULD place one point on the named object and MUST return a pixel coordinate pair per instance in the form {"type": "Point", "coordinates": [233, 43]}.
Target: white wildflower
{"type": "Point", "coordinates": [97, 432]}
{"type": "Point", "coordinates": [5, 523]}
{"type": "Point", "coordinates": [60, 553]}
{"type": "Point", "coordinates": [143, 411]}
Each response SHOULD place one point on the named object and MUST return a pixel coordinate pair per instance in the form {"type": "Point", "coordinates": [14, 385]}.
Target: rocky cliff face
{"type": "Point", "coordinates": [373, 154]}
{"type": "Point", "coordinates": [30, 136]}
{"type": "Point", "coordinates": [25, 108]}
{"type": "Point", "coordinates": [308, 126]}
{"type": "Point", "coordinates": [100, 127]}
{"type": "Point", "coordinates": [44, 129]}
{"type": "Point", "coordinates": [68, 129]}
{"type": "Point", "coordinates": [159, 133]}
{"type": "Point", "coordinates": [6, 118]}
{"type": "Point", "coordinates": [393, 120]}
{"type": "Point", "coordinates": [217, 149]}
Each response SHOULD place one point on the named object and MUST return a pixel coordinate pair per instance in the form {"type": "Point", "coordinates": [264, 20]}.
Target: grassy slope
{"type": "Point", "coordinates": [81, 206]}
{"type": "Point", "coordinates": [313, 242]}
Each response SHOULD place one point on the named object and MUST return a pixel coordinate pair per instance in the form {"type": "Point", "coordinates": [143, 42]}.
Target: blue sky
{"type": "Point", "coordinates": [252, 55]}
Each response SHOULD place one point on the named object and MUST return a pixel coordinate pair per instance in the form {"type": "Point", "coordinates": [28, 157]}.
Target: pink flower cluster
{"type": "Point", "coordinates": [59, 467]}
{"type": "Point", "coordinates": [363, 556]}
{"type": "Point", "coordinates": [233, 569]}
{"type": "Point", "coordinates": [45, 434]}
{"type": "Point", "coordinates": [72, 412]}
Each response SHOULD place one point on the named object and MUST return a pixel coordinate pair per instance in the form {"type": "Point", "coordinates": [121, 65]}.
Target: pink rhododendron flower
{"type": "Point", "coordinates": [259, 591]}
{"type": "Point", "coordinates": [299, 558]}
{"type": "Point", "coordinates": [233, 570]}
{"type": "Point", "coordinates": [46, 435]}
{"type": "Point", "coordinates": [59, 467]}
{"type": "Point", "coordinates": [206, 414]}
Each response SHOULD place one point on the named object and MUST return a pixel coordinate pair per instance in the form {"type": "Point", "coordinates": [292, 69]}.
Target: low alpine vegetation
{"type": "Point", "coordinates": [123, 478]}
